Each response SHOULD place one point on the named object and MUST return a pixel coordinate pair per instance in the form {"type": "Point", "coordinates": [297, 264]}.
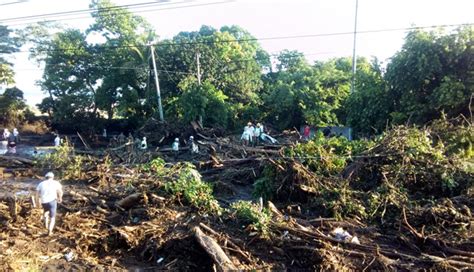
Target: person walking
{"type": "Point", "coordinates": [50, 193]}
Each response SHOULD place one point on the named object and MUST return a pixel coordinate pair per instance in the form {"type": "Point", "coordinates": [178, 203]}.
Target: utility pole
{"type": "Point", "coordinates": [198, 55]}
{"type": "Point", "coordinates": [157, 83]}
{"type": "Point", "coordinates": [354, 59]}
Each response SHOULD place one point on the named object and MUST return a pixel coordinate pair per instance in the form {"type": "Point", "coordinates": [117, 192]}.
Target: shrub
{"type": "Point", "coordinates": [188, 185]}
{"type": "Point", "coordinates": [258, 217]}
{"type": "Point", "coordinates": [63, 160]}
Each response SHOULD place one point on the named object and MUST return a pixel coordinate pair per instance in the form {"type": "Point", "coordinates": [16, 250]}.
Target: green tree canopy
{"type": "Point", "coordinates": [8, 45]}
{"type": "Point", "coordinates": [12, 106]}
{"type": "Point", "coordinates": [433, 73]}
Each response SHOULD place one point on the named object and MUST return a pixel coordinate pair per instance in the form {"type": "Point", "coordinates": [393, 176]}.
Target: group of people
{"type": "Point", "coordinates": [192, 146]}
{"type": "Point", "coordinates": [252, 135]}
{"type": "Point", "coordinates": [9, 141]}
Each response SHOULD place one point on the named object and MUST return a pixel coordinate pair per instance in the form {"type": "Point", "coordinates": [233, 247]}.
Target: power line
{"type": "Point", "coordinates": [13, 3]}
{"type": "Point", "coordinates": [269, 38]}
{"type": "Point", "coordinates": [80, 11]}
{"type": "Point", "coordinates": [112, 68]}
{"type": "Point", "coordinates": [125, 11]}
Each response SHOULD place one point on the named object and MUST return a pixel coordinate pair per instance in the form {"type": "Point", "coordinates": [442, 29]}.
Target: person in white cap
{"type": "Point", "coordinates": [193, 147]}
{"type": "Point", "coordinates": [143, 144]}
{"type": "Point", "coordinates": [175, 148]}
{"type": "Point", "coordinates": [247, 135]}
{"type": "Point", "coordinates": [50, 193]}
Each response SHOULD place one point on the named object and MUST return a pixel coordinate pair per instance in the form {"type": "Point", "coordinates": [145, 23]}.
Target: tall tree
{"type": "Point", "coordinates": [124, 61]}
{"type": "Point", "coordinates": [230, 59]}
{"type": "Point", "coordinates": [8, 45]}
{"type": "Point", "coordinates": [70, 77]}
{"type": "Point", "coordinates": [299, 93]}
{"type": "Point", "coordinates": [433, 73]}
{"type": "Point", "coordinates": [12, 107]}
{"type": "Point", "coordinates": [367, 109]}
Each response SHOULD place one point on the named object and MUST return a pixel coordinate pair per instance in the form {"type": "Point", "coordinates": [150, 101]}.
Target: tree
{"type": "Point", "coordinates": [70, 78]}
{"type": "Point", "coordinates": [124, 58]}
{"type": "Point", "coordinates": [367, 109]}
{"type": "Point", "coordinates": [12, 107]}
{"type": "Point", "coordinates": [230, 59]}
{"type": "Point", "coordinates": [203, 100]}
{"type": "Point", "coordinates": [299, 93]}
{"type": "Point", "coordinates": [433, 73]}
{"type": "Point", "coordinates": [8, 45]}
{"type": "Point", "coordinates": [84, 80]}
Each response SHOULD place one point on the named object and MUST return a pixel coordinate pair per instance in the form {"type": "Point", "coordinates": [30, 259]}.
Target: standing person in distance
{"type": "Point", "coordinates": [306, 132]}
{"type": "Point", "coordinates": [16, 133]}
{"type": "Point", "coordinates": [247, 134]}
{"type": "Point", "coordinates": [50, 193]}
{"type": "Point", "coordinates": [57, 140]}
{"type": "Point", "coordinates": [258, 133]}
{"type": "Point", "coordinates": [12, 140]}
{"type": "Point", "coordinates": [193, 147]}
{"type": "Point", "coordinates": [175, 148]}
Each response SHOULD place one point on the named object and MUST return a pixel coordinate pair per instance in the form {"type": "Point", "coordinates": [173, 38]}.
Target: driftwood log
{"type": "Point", "coordinates": [218, 255]}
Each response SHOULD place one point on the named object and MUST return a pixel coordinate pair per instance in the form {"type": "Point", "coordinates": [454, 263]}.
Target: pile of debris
{"type": "Point", "coordinates": [151, 212]}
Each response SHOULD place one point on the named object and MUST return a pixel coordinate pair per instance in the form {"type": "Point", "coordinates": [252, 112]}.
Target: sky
{"type": "Point", "coordinates": [269, 20]}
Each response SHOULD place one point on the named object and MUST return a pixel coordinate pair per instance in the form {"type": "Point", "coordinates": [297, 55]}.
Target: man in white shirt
{"type": "Point", "coordinates": [50, 193]}
{"type": "Point", "coordinates": [175, 148]}
{"type": "Point", "coordinates": [193, 147]}
{"type": "Point", "coordinates": [248, 134]}
{"type": "Point", "coordinates": [57, 141]}
{"type": "Point", "coordinates": [258, 133]}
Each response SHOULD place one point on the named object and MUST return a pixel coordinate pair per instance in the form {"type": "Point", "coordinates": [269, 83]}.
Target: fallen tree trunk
{"type": "Point", "coordinates": [129, 201]}
{"type": "Point", "coordinates": [11, 161]}
{"type": "Point", "coordinates": [223, 262]}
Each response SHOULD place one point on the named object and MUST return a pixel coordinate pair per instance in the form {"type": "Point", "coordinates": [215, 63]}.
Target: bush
{"type": "Point", "coordinates": [188, 185]}
{"type": "Point", "coordinates": [63, 160]}
{"type": "Point", "coordinates": [258, 217]}
{"type": "Point", "coordinates": [327, 156]}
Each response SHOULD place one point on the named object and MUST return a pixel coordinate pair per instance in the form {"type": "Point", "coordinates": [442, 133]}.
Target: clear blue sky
{"type": "Point", "coordinates": [266, 18]}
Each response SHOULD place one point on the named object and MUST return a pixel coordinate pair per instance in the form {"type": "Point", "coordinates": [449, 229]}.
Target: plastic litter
{"type": "Point", "coordinates": [69, 256]}
{"type": "Point", "coordinates": [342, 235]}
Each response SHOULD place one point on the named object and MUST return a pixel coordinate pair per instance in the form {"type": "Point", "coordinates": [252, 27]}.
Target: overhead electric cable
{"type": "Point", "coordinates": [80, 11]}
{"type": "Point", "coordinates": [124, 11]}
{"type": "Point", "coordinates": [13, 3]}
{"type": "Point", "coordinates": [271, 38]}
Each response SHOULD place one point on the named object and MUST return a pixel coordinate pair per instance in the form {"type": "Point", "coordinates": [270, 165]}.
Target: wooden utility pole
{"type": "Point", "coordinates": [199, 79]}
{"type": "Point", "coordinates": [157, 83]}
{"type": "Point", "coordinates": [354, 58]}
{"type": "Point", "coordinates": [198, 68]}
